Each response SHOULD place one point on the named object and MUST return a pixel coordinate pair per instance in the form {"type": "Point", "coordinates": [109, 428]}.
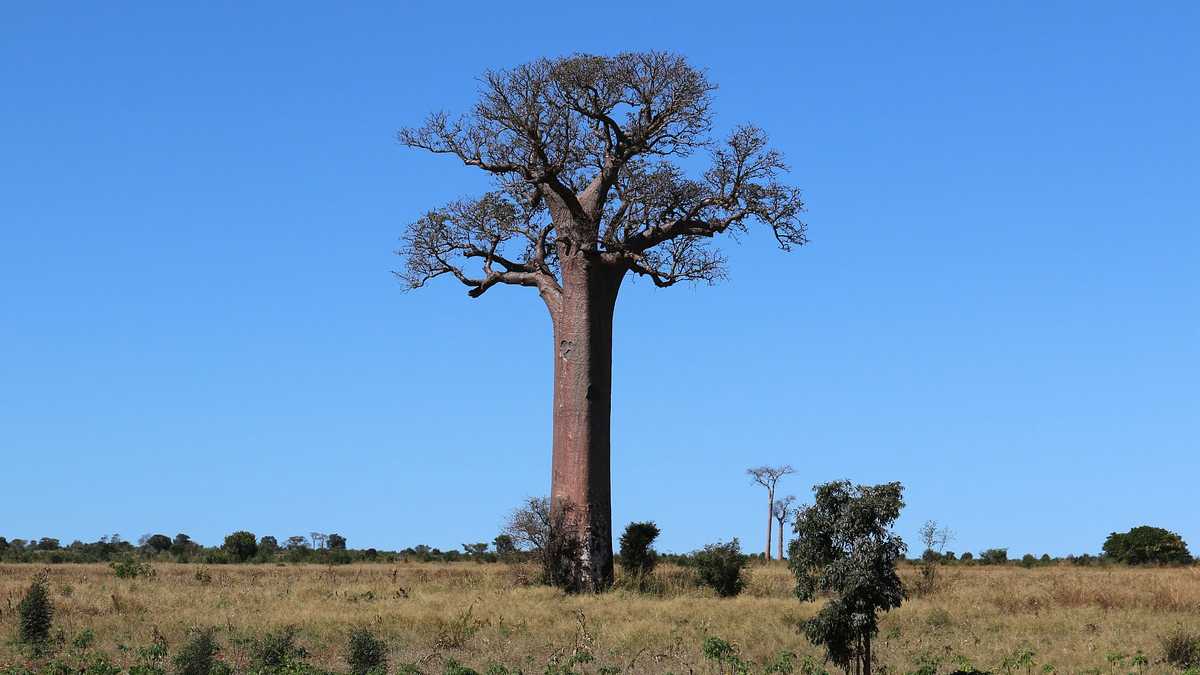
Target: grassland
{"type": "Point", "coordinates": [477, 614]}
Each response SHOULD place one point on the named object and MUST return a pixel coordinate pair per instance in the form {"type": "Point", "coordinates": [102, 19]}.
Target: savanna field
{"type": "Point", "coordinates": [431, 616]}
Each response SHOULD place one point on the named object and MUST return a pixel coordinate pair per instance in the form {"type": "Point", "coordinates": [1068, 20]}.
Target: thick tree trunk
{"type": "Point", "coordinates": [581, 477]}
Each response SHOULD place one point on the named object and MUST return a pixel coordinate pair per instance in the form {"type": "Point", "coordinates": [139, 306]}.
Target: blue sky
{"type": "Point", "coordinates": [1000, 306]}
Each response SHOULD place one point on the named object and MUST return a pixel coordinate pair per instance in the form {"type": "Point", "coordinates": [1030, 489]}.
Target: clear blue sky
{"type": "Point", "coordinates": [199, 331]}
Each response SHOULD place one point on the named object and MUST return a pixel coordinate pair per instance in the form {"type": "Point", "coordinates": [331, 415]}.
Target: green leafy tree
{"type": "Point", "coordinates": [1147, 545]}
{"type": "Point", "coordinates": [336, 542]}
{"type": "Point", "coordinates": [241, 546]}
{"type": "Point", "coordinates": [845, 546]}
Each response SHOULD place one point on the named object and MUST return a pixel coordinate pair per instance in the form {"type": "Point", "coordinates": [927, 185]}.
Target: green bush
{"type": "Point", "coordinates": [198, 655]}
{"type": "Point", "coordinates": [132, 569]}
{"type": "Point", "coordinates": [994, 556]}
{"type": "Point", "coordinates": [719, 566]}
{"type": "Point", "coordinates": [1147, 546]}
{"type": "Point", "coordinates": [36, 612]}
{"type": "Point", "coordinates": [637, 553]}
{"type": "Point", "coordinates": [277, 650]}
{"type": "Point", "coordinates": [366, 653]}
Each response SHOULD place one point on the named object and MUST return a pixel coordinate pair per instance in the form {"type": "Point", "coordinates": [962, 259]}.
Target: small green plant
{"type": "Point", "coordinates": [365, 653]}
{"type": "Point", "coordinates": [36, 612]}
{"type": "Point", "coordinates": [132, 569]}
{"type": "Point", "coordinates": [198, 655]}
{"type": "Point", "coordinates": [1021, 659]}
{"type": "Point", "coordinates": [725, 655]}
{"type": "Point", "coordinates": [719, 566]}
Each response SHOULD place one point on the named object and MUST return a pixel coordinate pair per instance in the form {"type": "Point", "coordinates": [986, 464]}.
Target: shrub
{"type": "Point", "coordinates": [278, 650]}
{"type": "Point", "coordinates": [637, 555]}
{"type": "Point", "coordinates": [551, 532]}
{"type": "Point", "coordinates": [967, 557]}
{"type": "Point", "coordinates": [198, 655]}
{"type": "Point", "coordinates": [1147, 546]}
{"type": "Point", "coordinates": [36, 612]}
{"type": "Point", "coordinates": [719, 566]}
{"type": "Point", "coordinates": [132, 569]}
{"type": "Point", "coordinates": [1181, 648]}
{"type": "Point", "coordinates": [365, 653]}
{"type": "Point", "coordinates": [241, 546]}
{"type": "Point", "coordinates": [994, 556]}
{"type": "Point", "coordinates": [1028, 560]}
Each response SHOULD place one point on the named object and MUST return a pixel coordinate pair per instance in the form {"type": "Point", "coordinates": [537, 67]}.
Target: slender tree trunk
{"type": "Point", "coordinates": [781, 540]}
{"type": "Point", "coordinates": [770, 518]}
{"type": "Point", "coordinates": [582, 404]}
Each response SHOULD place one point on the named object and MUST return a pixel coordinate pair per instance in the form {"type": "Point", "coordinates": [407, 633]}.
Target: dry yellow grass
{"type": "Point", "coordinates": [477, 614]}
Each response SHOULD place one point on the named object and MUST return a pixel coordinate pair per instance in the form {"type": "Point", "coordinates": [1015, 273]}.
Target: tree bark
{"type": "Point", "coordinates": [770, 518]}
{"type": "Point", "coordinates": [866, 657]}
{"type": "Point", "coordinates": [781, 540]}
{"type": "Point", "coordinates": [581, 476]}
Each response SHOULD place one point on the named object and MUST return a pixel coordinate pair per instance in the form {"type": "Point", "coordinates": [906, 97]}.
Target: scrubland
{"type": "Point", "coordinates": [1077, 619]}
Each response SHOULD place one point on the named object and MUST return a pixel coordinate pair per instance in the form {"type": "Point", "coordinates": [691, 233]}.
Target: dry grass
{"type": "Point", "coordinates": [477, 614]}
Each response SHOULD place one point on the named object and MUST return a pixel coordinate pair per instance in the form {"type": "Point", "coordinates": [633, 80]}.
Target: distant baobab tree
{"type": "Point", "coordinates": [768, 477]}
{"type": "Point", "coordinates": [782, 510]}
{"type": "Point", "coordinates": [579, 149]}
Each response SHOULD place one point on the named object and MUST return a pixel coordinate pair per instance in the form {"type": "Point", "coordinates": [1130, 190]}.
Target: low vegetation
{"type": "Point", "coordinates": [427, 615]}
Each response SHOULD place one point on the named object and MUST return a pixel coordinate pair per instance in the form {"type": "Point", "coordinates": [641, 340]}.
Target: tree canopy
{"type": "Point", "coordinates": [1147, 545]}
{"type": "Point", "coordinates": [579, 148]}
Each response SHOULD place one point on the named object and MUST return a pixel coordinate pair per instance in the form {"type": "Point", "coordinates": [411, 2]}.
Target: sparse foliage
{"type": "Point", "coordinates": [550, 532]}
{"type": "Point", "coordinates": [769, 477]}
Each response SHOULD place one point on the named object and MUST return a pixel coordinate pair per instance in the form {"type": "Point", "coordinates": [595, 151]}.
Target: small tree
{"type": "Point", "coordinates": [719, 566]}
{"type": "Point", "coordinates": [637, 555]}
{"type": "Point", "coordinates": [335, 542]}
{"type": "Point", "coordinates": [36, 612]}
{"type": "Point", "coordinates": [934, 538]}
{"type": "Point", "coordinates": [1147, 545]}
{"type": "Point", "coordinates": [845, 546]}
{"type": "Point", "coordinates": [768, 477]}
{"type": "Point", "coordinates": [241, 546]}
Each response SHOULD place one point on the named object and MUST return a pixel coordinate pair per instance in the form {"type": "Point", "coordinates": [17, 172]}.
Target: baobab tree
{"type": "Point", "coordinates": [782, 510]}
{"type": "Point", "coordinates": [580, 151]}
{"type": "Point", "coordinates": [768, 477]}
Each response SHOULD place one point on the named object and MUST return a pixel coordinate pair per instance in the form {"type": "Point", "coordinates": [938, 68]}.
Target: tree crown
{"type": "Point", "coordinates": [580, 150]}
